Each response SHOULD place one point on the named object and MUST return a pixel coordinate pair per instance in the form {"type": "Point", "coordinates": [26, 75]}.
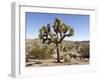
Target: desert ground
{"type": "Point", "coordinates": [40, 54]}
{"type": "Point", "coordinates": [52, 62]}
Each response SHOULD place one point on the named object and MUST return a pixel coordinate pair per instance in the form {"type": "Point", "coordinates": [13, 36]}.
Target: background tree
{"type": "Point", "coordinates": [55, 35]}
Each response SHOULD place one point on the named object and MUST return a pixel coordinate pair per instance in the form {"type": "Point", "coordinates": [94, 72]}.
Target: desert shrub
{"type": "Point", "coordinates": [38, 53]}
{"type": "Point", "coordinates": [77, 44]}
{"type": "Point", "coordinates": [70, 47]}
{"type": "Point", "coordinates": [62, 47]}
{"type": "Point", "coordinates": [85, 51]}
{"type": "Point", "coordinates": [48, 49]}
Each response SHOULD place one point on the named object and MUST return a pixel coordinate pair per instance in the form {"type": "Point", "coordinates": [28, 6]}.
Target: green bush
{"type": "Point", "coordinates": [38, 53]}
{"type": "Point", "coordinates": [85, 51]}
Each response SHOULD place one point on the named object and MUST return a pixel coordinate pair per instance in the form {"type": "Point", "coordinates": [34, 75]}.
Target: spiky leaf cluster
{"type": "Point", "coordinates": [59, 31]}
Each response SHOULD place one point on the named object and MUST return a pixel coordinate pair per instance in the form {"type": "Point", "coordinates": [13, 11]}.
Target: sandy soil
{"type": "Point", "coordinates": [52, 62]}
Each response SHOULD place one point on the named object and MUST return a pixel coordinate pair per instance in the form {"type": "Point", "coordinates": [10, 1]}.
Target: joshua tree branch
{"type": "Point", "coordinates": [63, 37]}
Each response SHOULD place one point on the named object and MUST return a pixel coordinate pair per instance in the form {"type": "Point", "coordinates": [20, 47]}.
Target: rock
{"type": "Point", "coordinates": [67, 58]}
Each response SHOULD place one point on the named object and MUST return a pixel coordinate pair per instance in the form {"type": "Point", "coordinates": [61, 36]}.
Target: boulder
{"type": "Point", "coordinates": [67, 58]}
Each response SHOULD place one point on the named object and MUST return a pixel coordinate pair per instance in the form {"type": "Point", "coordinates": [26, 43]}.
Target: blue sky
{"type": "Point", "coordinates": [80, 23]}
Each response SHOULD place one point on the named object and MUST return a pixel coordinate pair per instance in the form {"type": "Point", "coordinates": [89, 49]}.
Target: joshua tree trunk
{"type": "Point", "coordinates": [58, 56]}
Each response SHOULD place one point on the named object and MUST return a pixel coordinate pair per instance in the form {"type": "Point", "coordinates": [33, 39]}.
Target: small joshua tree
{"type": "Point", "coordinates": [55, 35]}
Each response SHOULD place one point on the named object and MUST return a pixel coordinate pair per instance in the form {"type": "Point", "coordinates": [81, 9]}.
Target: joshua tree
{"type": "Point", "coordinates": [55, 35]}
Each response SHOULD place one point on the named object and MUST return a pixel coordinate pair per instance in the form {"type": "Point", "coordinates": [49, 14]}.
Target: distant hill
{"type": "Point", "coordinates": [32, 43]}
